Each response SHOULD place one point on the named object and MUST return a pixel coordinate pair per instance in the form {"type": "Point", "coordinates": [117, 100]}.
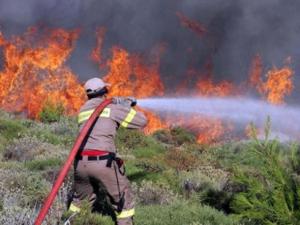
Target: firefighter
{"type": "Point", "coordinates": [97, 166]}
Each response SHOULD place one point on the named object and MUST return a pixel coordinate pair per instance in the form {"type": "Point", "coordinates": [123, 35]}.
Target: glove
{"type": "Point", "coordinates": [126, 101]}
{"type": "Point", "coordinates": [132, 100]}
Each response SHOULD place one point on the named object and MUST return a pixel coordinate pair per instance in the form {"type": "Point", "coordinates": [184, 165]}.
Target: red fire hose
{"type": "Point", "coordinates": [49, 200]}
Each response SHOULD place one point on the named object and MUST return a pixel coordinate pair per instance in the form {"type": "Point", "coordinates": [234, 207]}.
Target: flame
{"type": "Point", "coordinates": [207, 130]}
{"type": "Point", "coordinates": [154, 122]}
{"type": "Point", "coordinates": [35, 73]}
{"type": "Point", "coordinates": [205, 86]}
{"type": "Point", "coordinates": [278, 82]}
{"type": "Point", "coordinates": [208, 88]}
{"type": "Point", "coordinates": [278, 85]}
{"type": "Point", "coordinates": [130, 75]}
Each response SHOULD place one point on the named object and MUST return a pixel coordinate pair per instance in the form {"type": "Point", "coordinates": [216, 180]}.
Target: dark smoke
{"type": "Point", "coordinates": [237, 30]}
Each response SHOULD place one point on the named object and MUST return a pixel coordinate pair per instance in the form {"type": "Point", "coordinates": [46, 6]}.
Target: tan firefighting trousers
{"type": "Point", "coordinates": [92, 176]}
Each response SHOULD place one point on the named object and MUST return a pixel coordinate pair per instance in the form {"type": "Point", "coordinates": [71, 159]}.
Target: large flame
{"type": "Point", "coordinates": [130, 75]}
{"type": "Point", "coordinates": [35, 73]}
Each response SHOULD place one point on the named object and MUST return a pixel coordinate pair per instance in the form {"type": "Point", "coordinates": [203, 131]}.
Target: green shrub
{"type": "Point", "coordinates": [32, 186]}
{"type": "Point", "coordinates": [148, 193]}
{"type": "Point", "coordinates": [150, 151]}
{"type": "Point", "coordinates": [11, 128]}
{"type": "Point", "coordinates": [86, 217]}
{"type": "Point", "coordinates": [51, 112]}
{"type": "Point", "coordinates": [149, 166]}
{"type": "Point", "coordinates": [66, 126]}
{"type": "Point", "coordinates": [204, 178]}
{"type": "Point", "coordinates": [17, 215]}
{"type": "Point", "coordinates": [180, 159]}
{"type": "Point", "coordinates": [181, 213]}
{"type": "Point", "coordinates": [270, 194]}
{"type": "Point", "coordinates": [48, 136]}
{"type": "Point", "coordinates": [208, 185]}
{"type": "Point", "coordinates": [5, 115]}
{"type": "Point", "coordinates": [164, 136]}
{"type": "Point", "coordinates": [29, 148]}
{"type": "Point", "coordinates": [3, 144]}
{"type": "Point", "coordinates": [136, 143]}
{"type": "Point", "coordinates": [130, 139]}
{"type": "Point", "coordinates": [143, 170]}
{"type": "Point", "coordinates": [62, 132]}
{"type": "Point", "coordinates": [43, 164]}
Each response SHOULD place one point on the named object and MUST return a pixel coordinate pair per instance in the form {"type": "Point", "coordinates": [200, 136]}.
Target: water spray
{"type": "Point", "coordinates": [241, 111]}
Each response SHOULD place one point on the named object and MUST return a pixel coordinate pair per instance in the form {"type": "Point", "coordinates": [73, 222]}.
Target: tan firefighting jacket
{"type": "Point", "coordinates": [112, 117]}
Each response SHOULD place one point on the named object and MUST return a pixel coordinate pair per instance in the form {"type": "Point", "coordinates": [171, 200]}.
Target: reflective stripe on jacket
{"type": "Point", "coordinates": [104, 131]}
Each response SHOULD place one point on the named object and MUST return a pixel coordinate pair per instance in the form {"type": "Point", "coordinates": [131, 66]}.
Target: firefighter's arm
{"type": "Point", "coordinates": [125, 101]}
{"type": "Point", "coordinates": [128, 117]}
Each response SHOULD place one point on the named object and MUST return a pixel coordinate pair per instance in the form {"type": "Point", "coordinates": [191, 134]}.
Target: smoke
{"type": "Point", "coordinates": [237, 30]}
{"type": "Point", "coordinates": [240, 111]}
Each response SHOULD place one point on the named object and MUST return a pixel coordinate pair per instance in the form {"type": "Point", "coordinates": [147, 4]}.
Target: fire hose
{"type": "Point", "coordinates": [63, 172]}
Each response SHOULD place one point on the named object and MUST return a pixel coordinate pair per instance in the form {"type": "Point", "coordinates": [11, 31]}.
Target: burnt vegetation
{"type": "Point", "coordinates": [175, 180]}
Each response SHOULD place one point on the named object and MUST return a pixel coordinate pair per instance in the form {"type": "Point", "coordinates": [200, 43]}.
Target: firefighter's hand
{"type": "Point", "coordinates": [132, 101]}
{"type": "Point", "coordinates": [126, 101]}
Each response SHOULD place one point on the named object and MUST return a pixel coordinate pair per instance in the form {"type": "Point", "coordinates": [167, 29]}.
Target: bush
{"type": "Point", "coordinates": [29, 148]}
{"type": "Point", "coordinates": [51, 112]}
{"type": "Point", "coordinates": [43, 164]}
{"type": "Point", "coordinates": [180, 159]}
{"type": "Point", "coordinates": [149, 166]}
{"type": "Point", "coordinates": [16, 212]}
{"type": "Point", "coordinates": [44, 133]}
{"type": "Point", "coordinates": [181, 213]}
{"type": "Point", "coordinates": [17, 215]}
{"type": "Point", "coordinates": [33, 187]}
{"type": "Point", "coordinates": [136, 143]}
{"type": "Point", "coordinates": [204, 178]}
{"type": "Point", "coordinates": [148, 193]}
{"type": "Point", "coordinates": [11, 128]}
{"type": "Point", "coordinates": [86, 217]}
{"type": "Point", "coordinates": [65, 126]}
{"type": "Point", "coordinates": [176, 136]}
{"type": "Point", "coordinates": [130, 139]}
{"type": "Point", "coordinates": [209, 185]}
{"type": "Point", "coordinates": [270, 193]}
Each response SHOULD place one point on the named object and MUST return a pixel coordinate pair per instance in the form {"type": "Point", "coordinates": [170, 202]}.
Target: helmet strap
{"type": "Point", "coordinates": [99, 93]}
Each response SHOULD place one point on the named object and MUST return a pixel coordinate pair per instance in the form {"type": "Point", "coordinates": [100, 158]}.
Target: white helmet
{"type": "Point", "coordinates": [93, 85]}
